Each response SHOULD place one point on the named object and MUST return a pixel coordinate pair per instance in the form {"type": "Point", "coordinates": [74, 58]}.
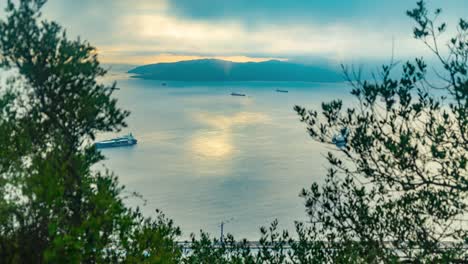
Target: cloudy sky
{"type": "Point", "coordinates": [148, 31]}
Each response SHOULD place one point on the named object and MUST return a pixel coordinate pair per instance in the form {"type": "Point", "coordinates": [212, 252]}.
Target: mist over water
{"type": "Point", "coordinates": [204, 156]}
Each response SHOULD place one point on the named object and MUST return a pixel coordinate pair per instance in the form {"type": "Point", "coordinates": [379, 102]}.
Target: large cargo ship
{"type": "Point", "coordinates": [237, 94]}
{"type": "Point", "coordinates": [127, 140]}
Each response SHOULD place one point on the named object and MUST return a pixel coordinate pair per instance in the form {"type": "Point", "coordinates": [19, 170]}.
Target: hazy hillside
{"type": "Point", "coordinates": [220, 70]}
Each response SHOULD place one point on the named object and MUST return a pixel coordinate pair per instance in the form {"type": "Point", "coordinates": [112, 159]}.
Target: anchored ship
{"type": "Point", "coordinates": [237, 94]}
{"type": "Point", "coordinates": [127, 140]}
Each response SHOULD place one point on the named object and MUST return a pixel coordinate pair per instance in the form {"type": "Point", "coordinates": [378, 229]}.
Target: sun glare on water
{"type": "Point", "coordinates": [218, 141]}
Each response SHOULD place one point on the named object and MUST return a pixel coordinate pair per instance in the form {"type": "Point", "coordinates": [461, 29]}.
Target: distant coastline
{"type": "Point", "coordinates": [212, 70]}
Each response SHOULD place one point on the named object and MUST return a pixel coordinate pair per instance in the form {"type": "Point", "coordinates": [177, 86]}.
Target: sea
{"type": "Point", "coordinates": [205, 157]}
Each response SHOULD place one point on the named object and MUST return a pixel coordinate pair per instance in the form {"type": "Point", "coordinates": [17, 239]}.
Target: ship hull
{"type": "Point", "coordinates": [114, 144]}
{"type": "Point", "coordinates": [126, 141]}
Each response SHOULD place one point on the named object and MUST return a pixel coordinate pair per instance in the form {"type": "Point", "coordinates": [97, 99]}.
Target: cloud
{"type": "Point", "coordinates": [336, 41]}
{"type": "Point", "coordinates": [306, 11]}
{"type": "Point", "coordinates": [145, 31]}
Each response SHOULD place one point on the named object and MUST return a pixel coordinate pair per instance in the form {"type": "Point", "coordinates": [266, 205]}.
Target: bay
{"type": "Point", "coordinates": [204, 156]}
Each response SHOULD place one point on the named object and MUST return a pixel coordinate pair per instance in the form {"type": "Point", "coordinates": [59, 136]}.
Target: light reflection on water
{"type": "Point", "coordinates": [218, 143]}
{"type": "Point", "coordinates": [213, 144]}
{"type": "Point", "coordinates": [205, 156]}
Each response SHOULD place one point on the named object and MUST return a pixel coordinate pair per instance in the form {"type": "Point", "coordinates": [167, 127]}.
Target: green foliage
{"type": "Point", "coordinates": [53, 207]}
{"type": "Point", "coordinates": [400, 184]}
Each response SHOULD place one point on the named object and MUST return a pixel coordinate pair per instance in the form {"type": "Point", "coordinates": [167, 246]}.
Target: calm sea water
{"type": "Point", "coordinates": [204, 156]}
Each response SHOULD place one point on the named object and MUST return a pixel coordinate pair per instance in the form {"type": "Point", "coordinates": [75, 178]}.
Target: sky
{"type": "Point", "coordinates": [309, 31]}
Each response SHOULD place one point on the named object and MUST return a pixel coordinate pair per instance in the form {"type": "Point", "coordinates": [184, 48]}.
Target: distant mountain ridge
{"type": "Point", "coordinates": [220, 70]}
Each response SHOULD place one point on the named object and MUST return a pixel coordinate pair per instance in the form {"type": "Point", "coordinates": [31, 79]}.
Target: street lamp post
{"type": "Point", "coordinates": [221, 238]}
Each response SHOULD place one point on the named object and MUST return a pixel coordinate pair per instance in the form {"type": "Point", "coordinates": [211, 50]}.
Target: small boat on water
{"type": "Point", "coordinates": [282, 91]}
{"type": "Point", "coordinates": [127, 140]}
{"type": "Point", "coordinates": [341, 139]}
{"type": "Point", "coordinates": [237, 94]}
